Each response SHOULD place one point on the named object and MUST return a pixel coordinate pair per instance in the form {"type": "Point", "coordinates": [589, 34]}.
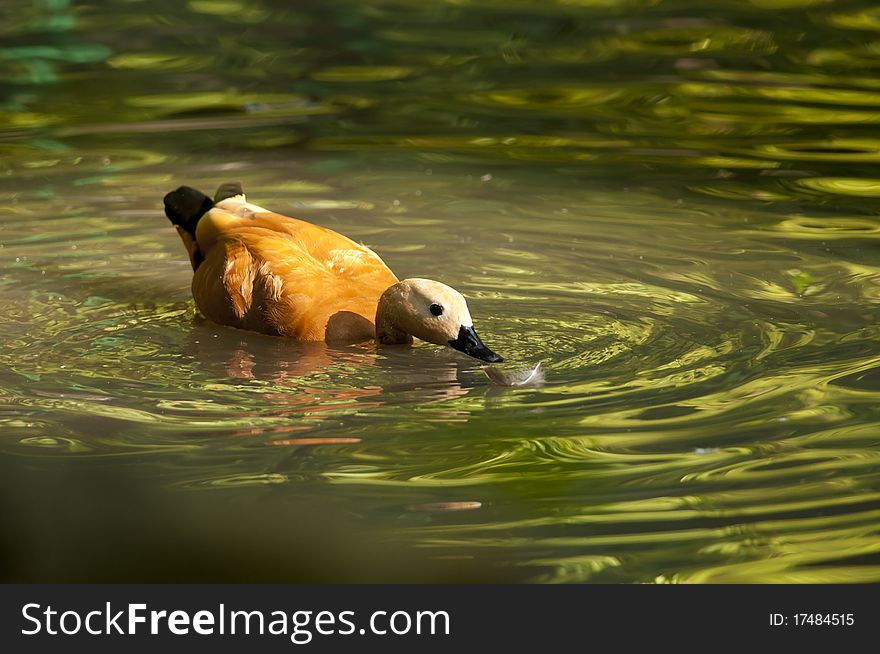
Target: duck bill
{"type": "Point", "coordinates": [469, 343]}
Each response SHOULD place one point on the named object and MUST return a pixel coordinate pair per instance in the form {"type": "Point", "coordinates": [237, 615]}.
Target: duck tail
{"type": "Point", "coordinates": [228, 190]}
{"type": "Point", "coordinates": [185, 206]}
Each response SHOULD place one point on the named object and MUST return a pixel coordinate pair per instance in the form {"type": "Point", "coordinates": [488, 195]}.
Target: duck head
{"type": "Point", "coordinates": [432, 312]}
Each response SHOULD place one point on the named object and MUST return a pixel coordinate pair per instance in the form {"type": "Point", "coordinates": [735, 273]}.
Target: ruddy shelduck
{"type": "Point", "coordinates": [258, 270]}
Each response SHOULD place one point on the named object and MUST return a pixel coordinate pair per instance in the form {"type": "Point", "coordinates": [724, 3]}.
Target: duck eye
{"type": "Point", "coordinates": [436, 310]}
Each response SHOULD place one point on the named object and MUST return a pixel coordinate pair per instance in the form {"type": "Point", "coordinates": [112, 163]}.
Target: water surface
{"type": "Point", "coordinates": [673, 207]}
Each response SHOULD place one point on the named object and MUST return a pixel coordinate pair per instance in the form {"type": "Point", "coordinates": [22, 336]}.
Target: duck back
{"type": "Point", "coordinates": [266, 272]}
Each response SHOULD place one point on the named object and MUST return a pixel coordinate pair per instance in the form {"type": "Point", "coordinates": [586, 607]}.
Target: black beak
{"type": "Point", "coordinates": [469, 343]}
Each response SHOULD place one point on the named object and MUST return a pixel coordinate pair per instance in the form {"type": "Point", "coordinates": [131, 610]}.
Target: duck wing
{"type": "Point", "coordinates": [279, 275]}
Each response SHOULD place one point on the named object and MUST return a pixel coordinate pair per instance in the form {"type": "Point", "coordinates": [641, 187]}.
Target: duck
{"type": "Point", "coordinates": [261, 271]}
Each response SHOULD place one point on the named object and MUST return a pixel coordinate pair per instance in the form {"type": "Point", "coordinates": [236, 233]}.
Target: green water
{"type": "Point", "coordinates": [672, 205]}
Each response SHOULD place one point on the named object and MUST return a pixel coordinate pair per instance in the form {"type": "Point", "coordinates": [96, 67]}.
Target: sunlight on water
{"type": "Point", "coordinates": [672, 209]}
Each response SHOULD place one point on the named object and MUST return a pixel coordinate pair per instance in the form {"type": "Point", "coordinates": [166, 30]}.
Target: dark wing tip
{"type": "Point", "coordinates": [185, 206]}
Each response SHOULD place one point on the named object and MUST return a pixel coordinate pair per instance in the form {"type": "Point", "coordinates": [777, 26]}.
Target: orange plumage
{"type": "Point", "coordinates": [258, 270]}
{"type": "Point", "coordinates": [270, 273]}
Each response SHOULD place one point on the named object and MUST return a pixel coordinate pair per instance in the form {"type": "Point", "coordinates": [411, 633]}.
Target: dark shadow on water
{"type": "Point", "coordinates": [71, 522]}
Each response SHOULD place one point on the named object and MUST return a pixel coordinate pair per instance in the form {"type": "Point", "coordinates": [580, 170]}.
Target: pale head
{"type": "Point", "coordinates": [432, 312]}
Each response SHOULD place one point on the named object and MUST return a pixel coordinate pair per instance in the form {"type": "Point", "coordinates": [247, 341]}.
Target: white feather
{"type": "Point", "coordinates": [525, 377]}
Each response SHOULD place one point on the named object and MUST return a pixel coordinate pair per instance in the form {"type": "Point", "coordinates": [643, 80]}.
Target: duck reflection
{"type": "Point", "coordinates": [315, 379]}
{"type": "Point", "coordinates": [234, 353]}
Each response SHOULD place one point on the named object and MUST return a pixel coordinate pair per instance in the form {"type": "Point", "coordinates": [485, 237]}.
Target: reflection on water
{"type": "Point", "coordinates": [672, 208]}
